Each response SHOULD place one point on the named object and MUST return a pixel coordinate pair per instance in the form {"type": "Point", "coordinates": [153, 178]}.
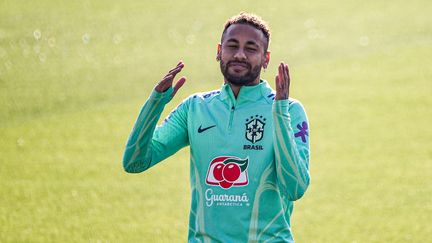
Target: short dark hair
{"type": "Point", "coordinates": [252, 20]}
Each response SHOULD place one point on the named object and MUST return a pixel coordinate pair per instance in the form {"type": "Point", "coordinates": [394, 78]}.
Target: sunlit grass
{"type": "Point", "coordinates": [74, 75]}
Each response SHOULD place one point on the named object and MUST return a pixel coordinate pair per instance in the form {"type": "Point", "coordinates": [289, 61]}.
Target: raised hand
{"type": "Point", "coordinates": [282, 82]}
{"type": "Point", "coordinates": [167, 81]}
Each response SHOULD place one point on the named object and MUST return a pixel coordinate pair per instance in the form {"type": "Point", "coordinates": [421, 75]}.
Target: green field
{"type": "Point", "coordinates": [74, 74]}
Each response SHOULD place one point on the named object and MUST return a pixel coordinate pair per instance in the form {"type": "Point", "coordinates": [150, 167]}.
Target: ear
{"type": "Point", "coordinates": [266, 59]}
{"type": "Point", "coordinates": [218, 54]}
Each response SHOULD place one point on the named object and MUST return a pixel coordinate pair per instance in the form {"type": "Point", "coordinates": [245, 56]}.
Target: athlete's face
{"type": "Point", "coordinates": [242, 54]}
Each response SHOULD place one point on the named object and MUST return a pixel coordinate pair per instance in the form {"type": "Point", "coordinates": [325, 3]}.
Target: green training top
{"type": "Point", "coordinates": [249, 159]}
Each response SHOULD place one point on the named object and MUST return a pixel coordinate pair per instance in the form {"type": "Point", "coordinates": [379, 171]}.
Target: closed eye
{"type": "Point", "coordinates": [232, 45]}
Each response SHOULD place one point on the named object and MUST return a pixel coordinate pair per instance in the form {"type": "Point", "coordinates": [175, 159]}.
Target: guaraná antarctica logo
{"type": "Point", "coordinates": [227, 171]}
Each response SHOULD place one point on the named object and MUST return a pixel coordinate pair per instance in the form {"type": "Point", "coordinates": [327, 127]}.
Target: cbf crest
{"type": "Point", "coordinates": [255, 128]}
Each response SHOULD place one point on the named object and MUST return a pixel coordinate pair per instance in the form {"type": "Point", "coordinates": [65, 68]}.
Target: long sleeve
{"type": "Point", "coordinates": [291, 144]}
{"type": "Point", "coordinates": [147, 144]}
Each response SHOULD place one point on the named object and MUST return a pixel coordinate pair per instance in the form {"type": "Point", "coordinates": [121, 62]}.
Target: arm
{"type": "Point", "coordinates": [148, 144]}
{"type": "Point", "coordinates": [291, 140]}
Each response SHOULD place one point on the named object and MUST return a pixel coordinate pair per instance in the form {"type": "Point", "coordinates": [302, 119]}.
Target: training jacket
{"type": "Point", "coordinates": [249, 159]}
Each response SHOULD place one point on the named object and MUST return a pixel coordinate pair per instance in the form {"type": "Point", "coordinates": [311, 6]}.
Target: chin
{"type": "Point", "coordinates": [239, 81]}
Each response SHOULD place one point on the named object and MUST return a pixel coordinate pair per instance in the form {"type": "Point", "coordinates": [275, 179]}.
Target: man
{"type": "Point", "coordinates": [249, 145]}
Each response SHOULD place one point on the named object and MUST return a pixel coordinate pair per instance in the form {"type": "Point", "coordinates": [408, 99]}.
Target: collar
{"type": "Point", "coordinates": [246, 93]}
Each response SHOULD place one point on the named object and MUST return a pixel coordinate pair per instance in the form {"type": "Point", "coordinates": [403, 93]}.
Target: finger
{"type": "Point", "coordinates": [180, 65]}
{"type": "Point", "coordinates": [176, 70]}
{"type": "Point", "coordinates": [167, 79]}
{"type": "Point", "coordinates": [178, 85]}
{"type": "Point", "coordinates": [279, 88]}
{"type": "Point", "coordinates": [277, 81]}
{"type": "Point", "coordinates": [164, 84]}
{"type": "Point", "coordinates": [281, 76]}
{"type": "Point", "coordinates": [285, 73]}
{"type": "Point", "coordinates": [173, 72]}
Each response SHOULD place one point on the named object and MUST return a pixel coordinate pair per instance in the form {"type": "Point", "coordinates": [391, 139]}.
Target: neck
{"type": "Point", "coordinates": [236, 88]}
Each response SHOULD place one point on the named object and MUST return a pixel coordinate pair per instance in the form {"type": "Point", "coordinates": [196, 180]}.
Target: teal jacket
{"type": "Point", "coordinates": [249, 159]}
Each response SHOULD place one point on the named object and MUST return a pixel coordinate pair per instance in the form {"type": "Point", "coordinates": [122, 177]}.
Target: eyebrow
{"type": "Point", "coordinates": [233, 40]}
{"type": "Point", "coordinates": [247, 43]}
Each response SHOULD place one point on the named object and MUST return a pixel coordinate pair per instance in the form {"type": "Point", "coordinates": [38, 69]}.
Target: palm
{"type": "Point", "coordinates": [167, 81]}
{"type": "Point", "coordinates": [282, 82]}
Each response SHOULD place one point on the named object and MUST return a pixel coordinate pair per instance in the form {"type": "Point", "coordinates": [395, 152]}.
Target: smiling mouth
{"type": "Point", "coordinates": [238, 65]}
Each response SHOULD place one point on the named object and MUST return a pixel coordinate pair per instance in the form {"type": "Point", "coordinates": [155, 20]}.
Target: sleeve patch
{"type": "Point", "coordinates": [303, 131]}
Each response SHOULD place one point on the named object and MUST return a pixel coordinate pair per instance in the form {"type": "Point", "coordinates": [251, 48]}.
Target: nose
{"type": "Point", "coordinates": [240, 55]}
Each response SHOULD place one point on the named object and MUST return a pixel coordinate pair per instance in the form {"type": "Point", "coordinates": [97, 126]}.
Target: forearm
{"type": "Point", "coordinates": [139, 148]}
{"type": "Point", "coordinates": [291, 156]}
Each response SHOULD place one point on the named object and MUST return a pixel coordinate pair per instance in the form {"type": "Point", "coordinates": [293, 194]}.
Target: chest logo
{"type": "Point", "coordinates": [227, 171]}
{"type": "Point", "coordinates": [255, 128]}
{"type": "Point", "coordinates": [200, 130]}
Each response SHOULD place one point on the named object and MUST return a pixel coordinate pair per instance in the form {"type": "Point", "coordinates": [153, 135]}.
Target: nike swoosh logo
{"type": "Point", "coordinates": [200, 130]}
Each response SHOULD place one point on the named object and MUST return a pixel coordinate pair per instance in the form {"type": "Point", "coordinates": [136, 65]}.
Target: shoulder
{"type": "Point", "coordinates": [197, 98]}
{"type": "Point", "coordinates": [296, 107]}
{"type": "Point", "coordinates": [294, 102]}
{"type": "Point", "coordinates": [206, 96]}
{"type": "Point", "coordinates": [291, 102]}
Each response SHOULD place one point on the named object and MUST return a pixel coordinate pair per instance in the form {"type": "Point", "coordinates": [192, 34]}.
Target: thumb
{"type": "Point", "coordinates": [178, 85]}
{"type": "Point", "coordinates": [277, 83]}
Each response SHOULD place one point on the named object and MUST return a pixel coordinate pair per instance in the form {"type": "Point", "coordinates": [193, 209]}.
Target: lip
{"type": "Point", "coordinates": [241, 65]}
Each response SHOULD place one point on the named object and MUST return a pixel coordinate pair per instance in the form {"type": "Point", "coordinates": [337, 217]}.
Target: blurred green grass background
{"type": "Point", "coordinates": [74, 74]}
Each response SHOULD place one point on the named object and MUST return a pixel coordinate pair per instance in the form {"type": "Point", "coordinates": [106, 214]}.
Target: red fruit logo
{"type": "Point", "coordinates": [227, 171]}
